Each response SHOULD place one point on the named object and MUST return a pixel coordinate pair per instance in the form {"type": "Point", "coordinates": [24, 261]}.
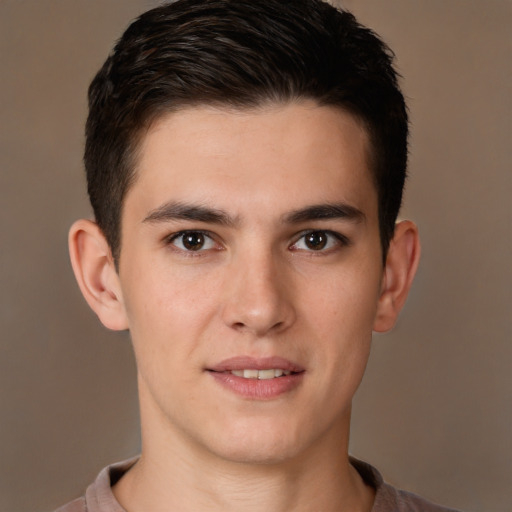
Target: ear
{"type": "Point", "coordinates": [96, 273]}
{"type": "Point", "coordinates": [401, 264]}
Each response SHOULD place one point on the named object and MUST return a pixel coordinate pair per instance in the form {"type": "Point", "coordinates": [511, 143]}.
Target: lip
{"type": "Point", "coordinates": [256, 363]}
{"type": "Point", "coordinates": [255, 389]}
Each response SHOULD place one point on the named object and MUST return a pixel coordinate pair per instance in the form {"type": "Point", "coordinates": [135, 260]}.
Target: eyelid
{"type": "Point", "coordinates": [342, 240]}
{"type": "Point", "coordinates": [169, 239]}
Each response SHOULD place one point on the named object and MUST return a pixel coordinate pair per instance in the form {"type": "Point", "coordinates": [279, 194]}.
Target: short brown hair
{"type": "Point", "coordinates": [241, 53]}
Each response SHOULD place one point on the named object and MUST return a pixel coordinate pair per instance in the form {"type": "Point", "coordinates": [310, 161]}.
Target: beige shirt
{"type": "Point", "coordinates": [99, 496]}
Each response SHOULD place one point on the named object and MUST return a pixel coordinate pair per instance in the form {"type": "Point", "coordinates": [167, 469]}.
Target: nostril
{"type": "Point", "coordinates": [241, 327]}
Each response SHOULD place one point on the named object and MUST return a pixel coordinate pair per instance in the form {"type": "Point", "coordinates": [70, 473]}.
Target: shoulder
{"type": "Point", "coordinates": [391, 499]}
{"type": "Point", "coordinates": [410, 502]}
{"type": "Point", "coordinates": [98, 496]}
{"type": "Point", "coordinates": [77, 505]}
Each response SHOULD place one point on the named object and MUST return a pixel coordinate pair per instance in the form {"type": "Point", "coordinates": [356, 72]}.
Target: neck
{"type": "Point", "coordinates": [174, 473]}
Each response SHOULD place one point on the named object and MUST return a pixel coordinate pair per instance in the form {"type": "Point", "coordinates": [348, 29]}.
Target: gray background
{"type": "Point", "coordinates": [434, 411]}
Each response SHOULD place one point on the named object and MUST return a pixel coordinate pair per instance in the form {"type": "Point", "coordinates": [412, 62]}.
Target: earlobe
{"type": "Point", "coordinates": [401, 265]}
{"type": "Point", "coordinates": [96, 274]}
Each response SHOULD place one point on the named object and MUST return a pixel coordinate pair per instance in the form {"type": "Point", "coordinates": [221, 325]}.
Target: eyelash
{"type": "Point", "coordinates": [190, 253]}
{"type": "Point", "coordinates": [341, 241]}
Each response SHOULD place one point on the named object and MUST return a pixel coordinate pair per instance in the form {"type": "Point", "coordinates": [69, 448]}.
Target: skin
{"type": "Point", "coordinates": [254, 287]}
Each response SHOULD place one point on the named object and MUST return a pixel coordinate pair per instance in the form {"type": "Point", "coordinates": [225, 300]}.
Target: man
{"type": "Point", "coordinates": [245, 163]}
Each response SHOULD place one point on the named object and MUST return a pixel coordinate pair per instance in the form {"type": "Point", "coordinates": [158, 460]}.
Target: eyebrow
{"type": "Point", "coordinates": [325, 211]}
{"type": "Point", "coordinates": [182, 211]}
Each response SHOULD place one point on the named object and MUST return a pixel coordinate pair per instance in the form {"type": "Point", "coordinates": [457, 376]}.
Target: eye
{"type": "Point", "coordinates": [192, 241]}
{"type": "Point", "coordinates": [319, 241]}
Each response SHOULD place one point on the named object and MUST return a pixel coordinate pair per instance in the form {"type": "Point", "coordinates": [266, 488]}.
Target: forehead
{"type": "Point", "coordinates": [276, 154]}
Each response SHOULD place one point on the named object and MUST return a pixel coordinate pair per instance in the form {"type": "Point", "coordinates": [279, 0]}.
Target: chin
{"type": "Point", "coordinates": [257, 455]}
{"type": "Point", "coordinates": [259, 444]}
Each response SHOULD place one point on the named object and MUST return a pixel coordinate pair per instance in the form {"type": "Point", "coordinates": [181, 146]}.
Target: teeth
{"type": "Point", "coordinates": [266, 374]}
{"type": "Point", "coordinates": [261, 374]}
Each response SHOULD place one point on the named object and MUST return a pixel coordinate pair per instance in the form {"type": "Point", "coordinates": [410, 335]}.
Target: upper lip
{"type": "Point", "coordinates": [255, 363]}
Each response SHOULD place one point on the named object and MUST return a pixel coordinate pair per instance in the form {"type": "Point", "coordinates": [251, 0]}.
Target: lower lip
{"type": "Point", "coordinates": [256, 389]}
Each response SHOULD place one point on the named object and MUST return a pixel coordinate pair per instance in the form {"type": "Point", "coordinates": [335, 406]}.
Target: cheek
{"type": "Point", "coordinates": [167, 310]}
{"type": "Point", "coordinates": [347, 299]}
{"type": "Point", "coordinates": [165, 292]}
{"type": "Point", "coordinates": [342, 316]}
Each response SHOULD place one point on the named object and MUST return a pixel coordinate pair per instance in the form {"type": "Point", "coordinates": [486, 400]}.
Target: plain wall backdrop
{"type": "Point", "coordinates": [434, 412]}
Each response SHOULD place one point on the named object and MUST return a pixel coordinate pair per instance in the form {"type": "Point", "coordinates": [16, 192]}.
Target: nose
{"type": "Point", "coordinates": [259, 295]}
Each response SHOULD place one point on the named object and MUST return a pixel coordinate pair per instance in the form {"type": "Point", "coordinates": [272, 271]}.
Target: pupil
{"type": "Point", "coordinates": [316, 240]}
{"type": "Point", "coordinates": [193, 241]}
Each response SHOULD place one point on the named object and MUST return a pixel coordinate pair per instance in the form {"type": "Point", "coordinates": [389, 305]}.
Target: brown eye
{"type": "Point", "coordinates": [316, 240]}
{"type": "Point", "coordinates": [320, 241]}
{"type": "Point", "coordinates": [193, 241]}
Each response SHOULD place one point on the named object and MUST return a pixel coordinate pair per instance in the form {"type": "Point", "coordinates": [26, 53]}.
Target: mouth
{"type": "Point", "coordinates": [258, 378]}
{"type": "Point", "coordinates": [261, 368]}
{"type": "Point", "coordinates": [272, 373]}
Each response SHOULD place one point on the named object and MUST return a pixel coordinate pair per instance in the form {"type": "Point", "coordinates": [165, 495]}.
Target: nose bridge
{"type": "Point", "coordinates": [258, 298]}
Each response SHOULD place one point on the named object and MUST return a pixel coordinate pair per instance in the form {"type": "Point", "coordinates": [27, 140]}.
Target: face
{"type": "Point", "coordinates": [250, 272]}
